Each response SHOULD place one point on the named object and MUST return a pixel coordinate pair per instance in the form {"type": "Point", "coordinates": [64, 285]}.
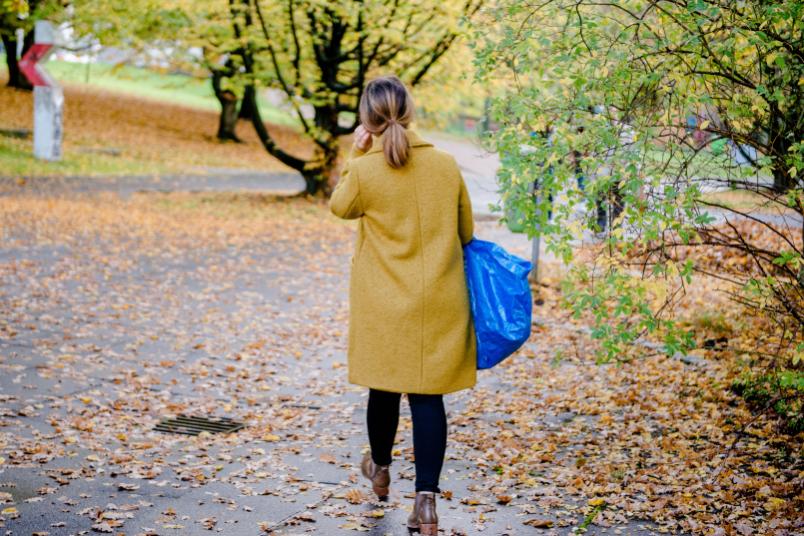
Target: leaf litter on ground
{"type": "Point", "coordinates": [173, 303]}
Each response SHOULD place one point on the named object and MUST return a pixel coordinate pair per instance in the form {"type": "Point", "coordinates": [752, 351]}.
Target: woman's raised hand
{"type": "Point", "coordinates": [362, 138]}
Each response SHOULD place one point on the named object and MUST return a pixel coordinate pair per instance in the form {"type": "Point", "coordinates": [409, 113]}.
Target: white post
{"type": "Point", "coordinates": [48, 96]}
{"type": "Point", "coordinates": [48, 111]}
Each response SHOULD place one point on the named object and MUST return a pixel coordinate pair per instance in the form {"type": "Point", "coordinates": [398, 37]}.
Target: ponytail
{"type": "Point", "coordinates": [395, 145]}
{"type": "Point", "coordinates": [386, 108]}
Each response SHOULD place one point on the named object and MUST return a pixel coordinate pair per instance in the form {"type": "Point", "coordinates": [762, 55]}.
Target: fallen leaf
{"type": "Point", "coordinates": [355, 496]}
{"type": "Point", "coordinates": [352, 525]}
{"type": "Point", "coordinates": [305, 516]}
{"type": "Point", "coordinates": [539, 523]}
{"type": "Point", "coordinates": [774, 503]}
{"type": "Point", "coordinates": [103, 526]}
{"type": "Point", "coordinates": [10, 512]}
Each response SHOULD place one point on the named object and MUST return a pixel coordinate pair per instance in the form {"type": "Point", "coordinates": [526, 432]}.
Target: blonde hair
{"type": "Point", "coordinates": [387, 107]}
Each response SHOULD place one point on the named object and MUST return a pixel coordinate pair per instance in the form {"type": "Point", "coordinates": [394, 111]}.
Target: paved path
{"type": "Point", "coordinates": [105, 330]}
{"type": "Point", "coordinates": [478, 166]}
{"type": "Point", "coordinates": [212, 180]}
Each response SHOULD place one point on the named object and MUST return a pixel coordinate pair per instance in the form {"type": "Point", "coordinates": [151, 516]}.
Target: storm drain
{"type": "Point", "coordinates": [189, 425]}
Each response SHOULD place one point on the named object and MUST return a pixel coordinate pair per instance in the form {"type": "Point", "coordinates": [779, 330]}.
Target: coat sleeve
{"type": "Point", "coordinates": [466, 226]}
{"type": "Point", "coordinates": [345, 201]}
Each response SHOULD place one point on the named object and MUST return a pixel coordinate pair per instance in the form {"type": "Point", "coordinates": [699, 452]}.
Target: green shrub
{"type": "Point", "coordinates": [781, 392]}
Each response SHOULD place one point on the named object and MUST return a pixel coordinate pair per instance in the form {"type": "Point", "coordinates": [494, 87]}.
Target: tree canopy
{"type": "Point", "coordinates": [320, 55]}
{"type": "Point", "coordinates": [660, 103]}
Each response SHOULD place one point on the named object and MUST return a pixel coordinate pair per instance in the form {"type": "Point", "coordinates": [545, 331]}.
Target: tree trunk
{"type": "Point", "coordinates": [227, 122]}
{"type": "Point", "coordinates": [314, 181]}
{"type": "Point", "coordinates": [299, 164]}
{"type": "Point", "coordinates": [15, 77]}
{"type": "Point", "coordinates": [782, 181]}
{"type": "Point", "coordinates": [228, 119]}
{"type": "Point", "coordinates": [246, 105]}
{"type": "Point", "coordinates": [318, 177]}
{"type": "Point", "coordinates": [778, 132]}
{"type": "Point", "coordinates": [322, 167]}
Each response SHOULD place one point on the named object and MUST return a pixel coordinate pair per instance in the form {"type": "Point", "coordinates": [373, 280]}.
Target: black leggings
{"type": "Point", "coordinates": [429, 433]}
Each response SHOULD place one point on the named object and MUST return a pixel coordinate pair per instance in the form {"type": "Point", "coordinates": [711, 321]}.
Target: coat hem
{"type": "Point", "coordinates": [391, 389]}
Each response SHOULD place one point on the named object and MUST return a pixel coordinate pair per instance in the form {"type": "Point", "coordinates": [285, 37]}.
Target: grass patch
{"type": "Point", "coordinates": [746, 201]}
{"type": "Point", "coordinates": [153, 84]}
{"type": "Point", "coordinates": [147, 137]}
{"type": "Point", "coordinates": [16, 159]}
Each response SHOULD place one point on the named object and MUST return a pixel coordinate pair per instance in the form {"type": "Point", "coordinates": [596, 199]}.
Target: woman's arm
{"type": "Point", "coordinates": [345, 201]}
{"type": "Point", "coordinates": [466, 226]}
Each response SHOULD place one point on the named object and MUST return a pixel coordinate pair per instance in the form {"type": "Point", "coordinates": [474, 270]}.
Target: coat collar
{"type": "Point", "coordinates": [413, 139]}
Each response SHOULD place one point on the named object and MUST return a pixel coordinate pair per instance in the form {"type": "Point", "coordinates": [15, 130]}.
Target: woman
{"type": "Point", "coordinates": [410, 327]}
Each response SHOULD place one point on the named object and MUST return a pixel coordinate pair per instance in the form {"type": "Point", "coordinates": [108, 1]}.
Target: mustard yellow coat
{"type": "Point", "coordinates": [410, 326]}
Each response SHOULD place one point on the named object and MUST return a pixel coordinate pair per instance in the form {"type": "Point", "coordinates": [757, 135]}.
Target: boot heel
{"type": "Point", "coordinates": [428, 529]}
{"type": "Point", "coordinates": [378, 474]}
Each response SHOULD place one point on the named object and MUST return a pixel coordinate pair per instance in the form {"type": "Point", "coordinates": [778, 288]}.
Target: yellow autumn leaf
{"type": "Point", "coordinates": [353, 526]}
{"type": "Point", "coordinates": [354, 496]}
{"type": "Point", "coordinates": [540, 523]}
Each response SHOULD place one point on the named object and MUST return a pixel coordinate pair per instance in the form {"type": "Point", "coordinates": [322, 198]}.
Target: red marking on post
{"type": "Point", "coordinates": [29, 64]}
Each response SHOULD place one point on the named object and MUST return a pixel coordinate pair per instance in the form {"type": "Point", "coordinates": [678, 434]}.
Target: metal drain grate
{"type": "Point", "coordinates": [189, 425]}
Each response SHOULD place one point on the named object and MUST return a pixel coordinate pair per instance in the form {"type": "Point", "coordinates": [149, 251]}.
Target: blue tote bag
{"type": "Point", "coordinates": [501, 301]}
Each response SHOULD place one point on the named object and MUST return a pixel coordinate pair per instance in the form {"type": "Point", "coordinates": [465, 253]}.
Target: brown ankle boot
{"type": "Point", "coordinates": [379, 475]}
{"type": "Point", "coordinates": [424, 517]}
